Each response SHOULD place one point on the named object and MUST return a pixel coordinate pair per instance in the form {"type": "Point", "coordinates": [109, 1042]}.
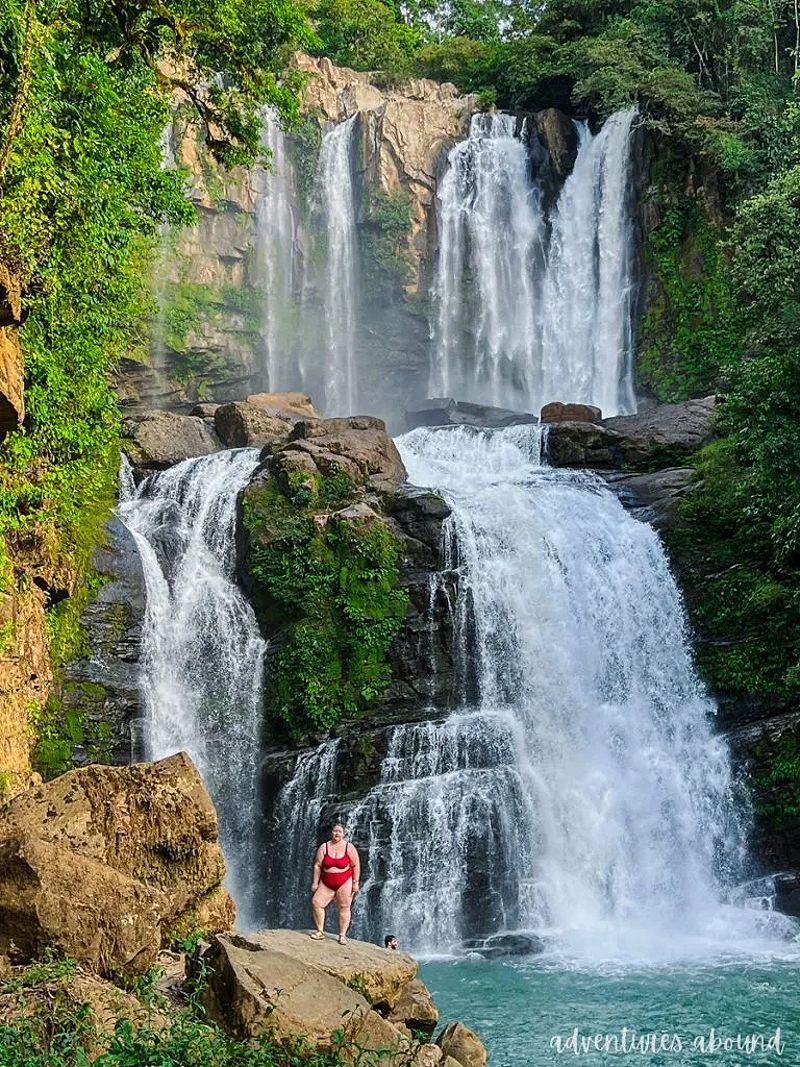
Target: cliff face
{"type": "Point", "coordinates": [401, 135]}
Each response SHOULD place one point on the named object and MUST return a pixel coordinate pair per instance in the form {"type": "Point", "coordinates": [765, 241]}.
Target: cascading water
{"type": "Point", "coordinates": [524, 319]}
{"type": "Point", "coordinates": [202, 652]}
{"type": "Point", "coordinates": [581, 791]}
{"type": "Point", "coordinates": [276, 238]}
{"type": "Point", "coordinates": [337, 199]}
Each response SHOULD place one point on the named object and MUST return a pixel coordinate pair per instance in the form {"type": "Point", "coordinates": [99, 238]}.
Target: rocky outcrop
{"type": "Point", "coordinates": [657, 438]}
{"type": "Point", "coordinates": [364, 999]}
{"type": "Point", "coordinates": [100, 689]}
{"type": "Point", "coordinates": [357, 447]}
{"type": "Point", "coordinates": [255, 988]}
{"type": "Point", "coordinates": [159, 439]}
{"type": "Point", "coordinates": [101, 862]}
{"type": "Point", "coordinates": [460, 1043]}
{"type": "Point", "coordinates": [557, 412]}
{"type": "Point", "coordinates": [402, 133]}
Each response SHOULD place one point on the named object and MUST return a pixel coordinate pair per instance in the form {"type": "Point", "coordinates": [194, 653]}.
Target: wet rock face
{"type": "Point", "coordinates": [446, 411]}
{"type": "Point", "coordinates": [101, 862]}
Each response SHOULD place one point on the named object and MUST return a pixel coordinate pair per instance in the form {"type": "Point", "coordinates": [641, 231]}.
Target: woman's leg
{"type": "Point", "coordinates": [319, 902]}
{"type": "Point", "coordinates": [344, 896]}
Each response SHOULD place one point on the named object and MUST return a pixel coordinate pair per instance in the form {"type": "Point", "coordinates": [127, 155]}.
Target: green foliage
{"type": "Point", "coordinates": [778, 783]}
{"type": "Point", "coordinates": [741, 545]}
{"type": "Point", "coordinates": [366, 34]}
{"type": "Point", "coordinates": [329, 585]}
{"type": "Point", "coordinates": [53, 1030]}
{"type": "Point", "coordinates": [691, 329]}
{"type": "Point", "coordinates": [384, 243]}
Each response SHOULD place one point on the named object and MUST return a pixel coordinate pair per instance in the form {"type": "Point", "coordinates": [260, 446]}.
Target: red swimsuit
{"type": "Point", "coordinates": [336, 870]}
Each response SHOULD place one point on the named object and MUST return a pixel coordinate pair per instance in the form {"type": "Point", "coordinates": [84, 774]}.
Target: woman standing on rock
{"type": "Point", "coordinates": [335, 876]}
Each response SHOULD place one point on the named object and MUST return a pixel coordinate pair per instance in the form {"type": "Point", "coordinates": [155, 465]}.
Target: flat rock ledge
{"type": "Point", "coordinates": [360, 997]}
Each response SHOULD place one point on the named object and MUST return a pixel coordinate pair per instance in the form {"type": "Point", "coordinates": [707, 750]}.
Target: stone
{"type": "Point", "coordinates": [102, 861]}
{"type": "Point", "coordinates": [382, 977]}
{"type": "Point", "coordinates": [664, 432]}
{"type": "Point", "coordinates": [463, 1045]}
{"type": "Point", "coordinates": [513, 945]}
{"type": "Point", "coordinates": [159, 439]}
{"type": "Point", "coordinates": [657, 438]}
{"type": "Point", "coordinates": [557, 412]}
{"type": "Point", "coordinates": [654, 498]}
{"type": "Point", "coordinates": [294, 404]}
{"type": "Point", "coordinates": [427, 1056]}
{"type": "Point", "coordinates": [359, 446]}
{"type": "Point", "coordinates": [446, 411]}
{"type": "Point", "coordinates": [253, 989]}
{"type": "Point", "coordinates": [559, 137]}
{"type": "Point", "coordinates": [102, 685]}
{"type": "Point", "coordinates": [415, 1008]}
{"type": "Point", "coordinates": [12, 404]}
{"type": "Point", "coordinates": [204, 411]}
{"type": "Point", "coordinates": [244, 424]}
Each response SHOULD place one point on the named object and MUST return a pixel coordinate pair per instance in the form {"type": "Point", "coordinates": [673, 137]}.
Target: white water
{"type": "Point", "coordinates": [202, 653]}
{"type": "Point", "coordinates": [276, 238]}
{"type": "Point", "coordinates": [337, 198]}
{"type": "Point", "coordinates": [524, 318]}
{"type": "Point", "coordinates": [584, 775]}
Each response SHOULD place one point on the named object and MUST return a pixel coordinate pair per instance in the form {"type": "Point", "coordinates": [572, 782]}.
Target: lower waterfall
{"type": "Point", "coordinates": [202, 652]}
{"type": "Point", "coordinates": [579, 790]}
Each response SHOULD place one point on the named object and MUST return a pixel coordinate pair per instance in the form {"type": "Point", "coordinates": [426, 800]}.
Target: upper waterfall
{"type": "Point", "coordinates": [202, 652]}
{"type": "Point", "coordinates": [337, 197]}
{"type": "Point", "coordinates": [276, 237]}
{"type": "Point", "coordinates": [533, 309]}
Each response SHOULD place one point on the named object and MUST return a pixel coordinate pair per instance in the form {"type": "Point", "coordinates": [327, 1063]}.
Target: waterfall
{"type": "Point", "coordinates": [580, 790]}
{"type": "Point", "coordinates": [524, 318]}
{"type": "Point", "coordinates": [490, 220]}
{"type": "Point", "coordinates": [337, 200]}
{"type": "Point", "coordinates": [276, 237]}
{"type": "Point", "coordinates": [587, 292]}
{"type": "Point", "coordinates": [202, 653]}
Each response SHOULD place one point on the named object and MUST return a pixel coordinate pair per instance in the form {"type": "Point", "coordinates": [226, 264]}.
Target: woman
{"type": "Point", "coordinates": [335, 876]}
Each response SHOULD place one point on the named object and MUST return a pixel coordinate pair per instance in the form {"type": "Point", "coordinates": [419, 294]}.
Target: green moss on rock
{"type": "Point", "coordinates": [328, 582]}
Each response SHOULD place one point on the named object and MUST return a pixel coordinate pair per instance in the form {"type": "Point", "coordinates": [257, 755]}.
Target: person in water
{"type": "Point", "coordinates": [335, 876]}
{"type": "Point", "coordinates": [390, 941]}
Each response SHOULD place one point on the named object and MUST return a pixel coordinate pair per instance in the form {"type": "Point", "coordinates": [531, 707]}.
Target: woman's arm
{"type": "Point", "coordinates": [354, 859]}
{"type": "Point", "coordinates": [316, 870]}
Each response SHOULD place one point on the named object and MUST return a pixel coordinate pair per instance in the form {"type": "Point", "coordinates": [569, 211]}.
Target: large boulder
{"type": "Point", "coordinates": [245, 424]}
{"type": "Point", "coordinates": [160, 439]}
{"type": "Point", "coordinates": [382, 977]}
{"type": "Point", "coordinates": [558, 412]}
{"type": "Point", "coordinates": [296, 405]}
{"type": "Point", "coordinates": [102, 862]}
{"type": "Point", "coordinates": [462, 1045]}
{"type": "Point", "coordinates": [357, 446]}
{"type": "Point", "coordinates": [253, 988]}
{"type": "Point", "coordinates": [415, 1009]}
{"type": "Point", "coordinates": [660, 437]}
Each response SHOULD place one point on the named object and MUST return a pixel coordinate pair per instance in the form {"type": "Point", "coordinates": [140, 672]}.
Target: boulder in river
{"type": "Point", "coordinates": [160, 439]}
{"type": "Point", "coordinates": [461, 1044]}
{"type": "Point", "coordinates": [446, 411]}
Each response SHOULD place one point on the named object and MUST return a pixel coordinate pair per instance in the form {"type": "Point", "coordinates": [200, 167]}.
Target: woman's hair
{"type": "Point", "coordinates": [341, 826]}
